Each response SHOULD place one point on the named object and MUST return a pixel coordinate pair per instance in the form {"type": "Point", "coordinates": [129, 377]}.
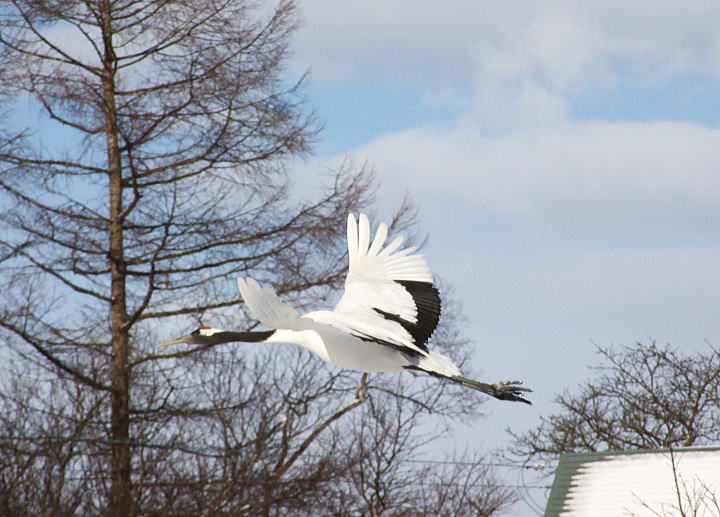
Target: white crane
{"type": "Point", "coordinates": [389, 310]}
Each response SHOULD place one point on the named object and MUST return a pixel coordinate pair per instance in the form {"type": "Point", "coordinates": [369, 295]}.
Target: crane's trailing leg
{"type": "Point", "coordinates": [504, 390]}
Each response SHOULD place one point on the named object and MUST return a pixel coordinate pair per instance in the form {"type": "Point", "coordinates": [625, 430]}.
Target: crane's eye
{"type": "Point", "coordinates": [199, 330]}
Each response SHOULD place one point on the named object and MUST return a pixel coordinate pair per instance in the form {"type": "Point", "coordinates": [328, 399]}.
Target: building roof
{"type": "Point", "coordinates": [637, 483]}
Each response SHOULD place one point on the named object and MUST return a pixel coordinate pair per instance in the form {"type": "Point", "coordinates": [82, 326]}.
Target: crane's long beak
{"type": "Point", "coordinates": [183, 339]}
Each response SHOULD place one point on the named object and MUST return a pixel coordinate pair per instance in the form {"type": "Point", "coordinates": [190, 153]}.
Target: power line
{"type": "Point", "coordinates": [206, 481]}
{"type": "Point", "coordinates": [527, 497]}
{"type": "Point", "coordinates": [217, 451]}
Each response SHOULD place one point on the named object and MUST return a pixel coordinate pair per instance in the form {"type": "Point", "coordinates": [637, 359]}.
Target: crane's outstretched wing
{"type": "Point", "coordinates": [266, 306]}
{"type": "Point", "coordinates": [389, 284]}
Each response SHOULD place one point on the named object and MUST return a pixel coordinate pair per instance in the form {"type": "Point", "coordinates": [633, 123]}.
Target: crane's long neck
{"type": "Point", "coordinates": [243, 337]}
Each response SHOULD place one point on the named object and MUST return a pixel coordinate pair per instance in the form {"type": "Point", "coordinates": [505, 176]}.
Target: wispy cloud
{"type": "Point", "coordinates": [594, 171]}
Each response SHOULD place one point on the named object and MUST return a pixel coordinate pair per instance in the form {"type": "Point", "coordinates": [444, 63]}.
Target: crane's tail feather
{"type": "Point", "coordinates": [438, 364]}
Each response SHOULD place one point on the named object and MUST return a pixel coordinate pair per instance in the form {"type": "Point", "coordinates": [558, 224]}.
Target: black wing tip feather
{"type": "Point", "coordinates": [427, 302]}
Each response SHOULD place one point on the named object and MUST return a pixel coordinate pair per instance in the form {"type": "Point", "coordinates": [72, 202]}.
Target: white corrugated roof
{"type": "Point", "coordinates": [643, 485]}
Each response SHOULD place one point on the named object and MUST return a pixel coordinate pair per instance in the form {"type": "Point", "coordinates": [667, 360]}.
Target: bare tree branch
{"type": "Point", "coordinates": [644, 396]}
{"type": "Point", "coordinates": [165, 174]}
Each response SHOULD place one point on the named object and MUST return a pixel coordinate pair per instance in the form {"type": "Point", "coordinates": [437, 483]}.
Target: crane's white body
{"type": "Point", "coordinates": [335, 346]}
{"type": "Point", "coordinates": [368, 330]}
{"type": "Point", "coordinates": [382, 323]}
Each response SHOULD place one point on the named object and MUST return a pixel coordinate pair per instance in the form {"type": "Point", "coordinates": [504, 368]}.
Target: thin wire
{"type": "Point", "coordinates": [347, 482]}
{"type": "Point", "coordinates": [215, 451]}
{"type": "Point", "coordinates": [527, 497]}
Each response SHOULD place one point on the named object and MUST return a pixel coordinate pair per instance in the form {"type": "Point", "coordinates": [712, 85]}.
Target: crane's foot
{"type": "Point", "coordinates": [511, 390]}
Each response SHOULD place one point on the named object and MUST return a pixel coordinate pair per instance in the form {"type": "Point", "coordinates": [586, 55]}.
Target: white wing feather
{"type": "Point", "coordinates": [373, 273]}
{"type": "Point", "coordinates": [265, 305]}
{"type": "Point", "coordinates": [371, 285]}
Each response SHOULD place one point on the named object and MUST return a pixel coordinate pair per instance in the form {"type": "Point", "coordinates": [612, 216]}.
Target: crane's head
{"type": "Point", "coordinates": [200, 336]}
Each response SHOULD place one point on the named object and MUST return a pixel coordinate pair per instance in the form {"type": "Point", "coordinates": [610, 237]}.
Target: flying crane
{"type": "Point", "coordinates": [382, 323]}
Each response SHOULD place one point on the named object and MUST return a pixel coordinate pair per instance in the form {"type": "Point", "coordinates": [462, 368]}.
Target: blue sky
{"type": "Point", "coordinates": [565, 157]}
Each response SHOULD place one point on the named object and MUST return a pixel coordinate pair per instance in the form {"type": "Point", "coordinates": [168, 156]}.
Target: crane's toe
{"type": "Point", "coordinates": [511, 390]}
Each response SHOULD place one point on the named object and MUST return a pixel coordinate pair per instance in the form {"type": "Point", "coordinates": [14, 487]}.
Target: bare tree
{"type": "Point", "coordinates": [385, 479]}
{"type": "Point", "coordinates": [644, 396]}
{"type": "Point", "coordinates": [173, 106]}
{"type": "Point", "coordinates": [236, 431]}
{"type": "Point", "coordinates": [153, 170]}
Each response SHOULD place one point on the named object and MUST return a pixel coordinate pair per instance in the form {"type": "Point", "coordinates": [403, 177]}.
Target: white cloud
{"type": "Point", "coordinates": [520, 58]}
{"type": "Point", "coordinates": [621, 294]}
{"type": "Point", "coordinates": [589, 171]}
{"type": "Point", "coordinates": [392, 37]}
{"type": "Point", "coordinates": [562, 39]}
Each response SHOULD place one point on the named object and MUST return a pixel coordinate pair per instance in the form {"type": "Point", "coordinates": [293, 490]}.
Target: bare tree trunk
{"type": "Point", "coordinates": [120, 491]}
{"type": "Point", "coordinates": [179, 120]}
